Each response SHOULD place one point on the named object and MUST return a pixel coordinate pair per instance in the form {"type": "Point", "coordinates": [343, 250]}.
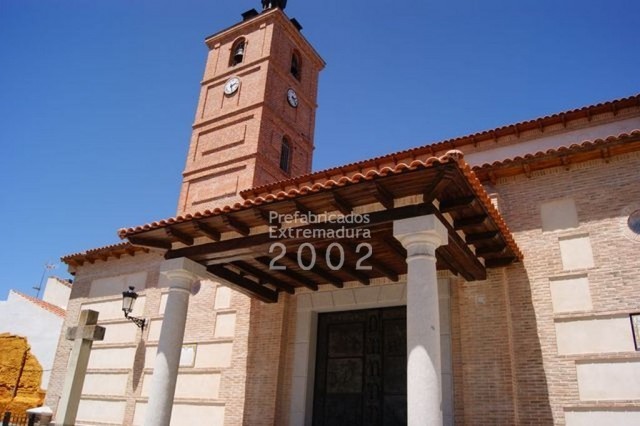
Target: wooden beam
{"type": "Point", "coordinates": [448, 206]}
{"type": "Point", "coordinates": [180, 236]}
{"type": "Point", "coordinates": [341, 204]}
{"type": "Point", "coordinates": [207, 231]}
{"type": "Point", "coordinates": [318, 271]}
{"type": "Point", "coordinates": [302, 208]}
{"type": "Point", "coordinates": [435, 187]}
{"type": "Point", "coordinates": [265, 239]}
{"type": "Point", "coordinates": [383, 269]}
{"type": "Point", "coordinates": [352, 272]}
{"type": "Point", "coordinates": [376, 264]}
{"type": "Point", "coordinates": [470, 265]}
{"type": "Point", "coordinates": [261, 275]}
{"type": "Point", "coordinates": [244, 285]}
{"type": "Point", "coordinates": [266, 217]}
{"type": "Point", "coordinates": [148, 242]}
{"type": "Point", "coordinates": [443, 260]}
{"type": "Point", "coordinates": [236, 225]}
{"type": "Point", "coordinates": [396, 248]}
{"type": "Point", "coordinates": [500, 262]}
{"type": "Point", "coordinates": [383, 195]}
{"type": "Point", "coordinates": [466, 222]}
{"type": "Point", "coordinates": [489, 251]}
{"type": "Point", "coordinates": [481, 237]}
{"type": "Point", "coordinates": [300, 279]}
{"type": "Point", "coordinates": [456, 265]}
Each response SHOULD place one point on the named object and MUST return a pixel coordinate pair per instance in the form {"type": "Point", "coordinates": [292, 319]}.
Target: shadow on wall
{"type": "Point", "coordinates": [20, 376]}
{"type": "Point", "coordinates": [497, 359]}
{"type": "Point", "coordinates": [265, 361]}
{"type": "Point", "coordinates": [138, 363]}
{"type": "Point", "coordinates": [531, 388]}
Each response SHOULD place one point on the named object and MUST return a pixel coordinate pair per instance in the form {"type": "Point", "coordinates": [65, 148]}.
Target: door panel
{"type": "Point", "coordinates": [361, 366]}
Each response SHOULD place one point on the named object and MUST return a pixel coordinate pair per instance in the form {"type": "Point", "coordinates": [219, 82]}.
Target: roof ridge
{"type": "Point", "coordinates": [61, 280]}
{"type": "Point", "coordinates": [54, 309]}
{"type": "Point", "coordinates": [454, 156]}
{"type": "Point", "coordinates": [448, 144]}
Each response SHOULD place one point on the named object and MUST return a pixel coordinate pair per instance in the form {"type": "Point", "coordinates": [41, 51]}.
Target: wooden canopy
{"type": "Point", "coordinates": [234, 243]}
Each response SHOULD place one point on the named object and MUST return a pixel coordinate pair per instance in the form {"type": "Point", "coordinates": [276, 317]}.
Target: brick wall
{"type": "Point", "coordinates": [602, 192]}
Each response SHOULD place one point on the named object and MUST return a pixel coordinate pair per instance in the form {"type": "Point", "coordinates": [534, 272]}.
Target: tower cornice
{"type": "Point", "coordinates": [262, 19]}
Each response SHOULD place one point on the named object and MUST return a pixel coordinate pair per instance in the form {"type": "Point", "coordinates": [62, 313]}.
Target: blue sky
{"type": "Point", "coordinates": [97, 97]}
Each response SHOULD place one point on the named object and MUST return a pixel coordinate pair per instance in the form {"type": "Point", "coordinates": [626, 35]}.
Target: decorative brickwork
{"type": "Point", "coordinates": [237, 135]}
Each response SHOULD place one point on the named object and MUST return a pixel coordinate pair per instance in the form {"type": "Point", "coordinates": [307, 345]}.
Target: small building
{"type": "Point", "coordinates": [487, 279]}
{"type": "Point", "coordinates": [29, 333]}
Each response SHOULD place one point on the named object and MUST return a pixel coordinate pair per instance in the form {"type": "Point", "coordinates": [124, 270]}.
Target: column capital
{"type": "Point", "coordinates": [182, 272]}
{"type": "Point", "coordinates": [421, 235]}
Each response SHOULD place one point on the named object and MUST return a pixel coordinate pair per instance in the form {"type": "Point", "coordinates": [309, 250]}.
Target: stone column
{"type": "Point", "coordinates": [180, 274]}
{"type": "Point", "coordinates": [421, 236]}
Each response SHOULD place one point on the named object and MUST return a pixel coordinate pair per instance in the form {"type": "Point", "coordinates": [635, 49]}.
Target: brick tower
{"type": "Point", "coordinates": [256, 114]}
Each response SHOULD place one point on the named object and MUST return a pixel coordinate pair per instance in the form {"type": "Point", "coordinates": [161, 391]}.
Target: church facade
{"type": "Point", "coordinates": [487, 279]}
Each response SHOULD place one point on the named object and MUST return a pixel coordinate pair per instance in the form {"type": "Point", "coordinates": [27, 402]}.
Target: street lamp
{"type": "Point", "coordinates": [128, 300]}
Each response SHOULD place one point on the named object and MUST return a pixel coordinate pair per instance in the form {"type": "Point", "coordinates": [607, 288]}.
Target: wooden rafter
{"type": "Point", "coordinates": [499, 262]}
{"type": "Point", "coordinates": [383, 195]}
{"type": "Point", "coordinates": [396, 248]}
{"type": "Point", "coordinates": [263, 215]}
{"type": "Point", "coordinates": [376, 264]}
{"type": "Point", "coordinates": [435, 188]}
{"type": "Point", "coordinates": [317, 270]}
{"type": "Point", "coordinates": [302, 208]}
{"type": "Point", "coordinates": [341, 204]}
{"type": "Point", "coordinates": [265, 239]}
{"type": "Point", "coordinates": [148, 242]}
{"type": "Point", "coordinates": [352, 272]}
{"type": "Point", "coordinates": [180, 236]}
{"type": "Point", "coordinates": [469, 221]}
{"type": "Point", "coordinates": [496, 251]}
{"type": "Point", "coordinates": [456, 204]}
{"type": "Point", "coordinates": [471, 266]}
{"type": "Point", "coordinates": [293, 275]}
{"type": "Point", "coordinates": [207, 231]}
{"type": "Point", "coordinates": [481, 237]}
{"type": "Point", "coordinates": [244, 285]}
{"type": "Point", "coordinates": [261, 275]}
{"type": "Point", "coordinates": [236, 225]}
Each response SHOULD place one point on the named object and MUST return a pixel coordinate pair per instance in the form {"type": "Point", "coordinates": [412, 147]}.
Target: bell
{"type": "Point", "coordinates": [238, 55]}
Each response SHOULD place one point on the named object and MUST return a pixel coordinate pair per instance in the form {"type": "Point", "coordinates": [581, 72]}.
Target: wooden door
{"type": "Point", "coordinates": [361, 368]}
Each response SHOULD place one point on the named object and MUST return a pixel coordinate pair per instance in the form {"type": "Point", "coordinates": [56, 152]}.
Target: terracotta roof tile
{"type": "Point", "coordinates": [398, 162]}
{"type": "Point", "coordinates": [102, 252]}
{"type": "Point", "coordinates": [455, 143]}
{"type": "Point", "coordinates": [43, 305]}
{"type": "Point", "coordinates": [96, 250]}
{"type": "Point", "coordinates": [452, 156]}
{"type": "Point", "coordinates": [576, 147]}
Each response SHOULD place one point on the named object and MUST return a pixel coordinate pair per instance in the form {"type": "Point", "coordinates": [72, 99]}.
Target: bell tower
{"type": "Point", "coordinates": [255, 119]}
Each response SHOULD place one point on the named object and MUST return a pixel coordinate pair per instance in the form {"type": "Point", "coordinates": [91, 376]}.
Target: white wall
{"type": "Point", "coordinates": [56, 292]}
{"type": "Point", "coordinates": [42, 328]}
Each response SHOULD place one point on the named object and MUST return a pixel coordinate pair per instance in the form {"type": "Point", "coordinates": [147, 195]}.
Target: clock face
{"type": "Point", "coordinates": [292, 97]}
{"type": "Point", "coordinates": [232, 86]}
